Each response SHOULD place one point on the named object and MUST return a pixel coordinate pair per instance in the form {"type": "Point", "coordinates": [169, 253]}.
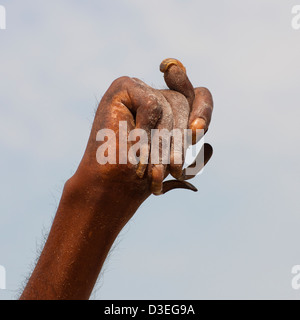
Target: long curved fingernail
{"type": "Point", "coordinates": [176, 184]}
{"type": "Point", "coordinates": [167, 63]}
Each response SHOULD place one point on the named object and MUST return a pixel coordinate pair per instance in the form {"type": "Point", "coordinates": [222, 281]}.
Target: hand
{"type": "Point", "coordinates": [141, 107]}
{"type": "Point", "coordinates": [99, 200]}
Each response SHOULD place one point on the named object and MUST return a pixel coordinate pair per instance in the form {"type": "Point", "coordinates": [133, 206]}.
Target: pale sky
{"type": "Point", "coordinates": [239, 236]}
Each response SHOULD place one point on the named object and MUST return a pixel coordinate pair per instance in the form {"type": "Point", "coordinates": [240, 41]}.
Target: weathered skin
{"type": "Point", "coordinates": [98, 200]}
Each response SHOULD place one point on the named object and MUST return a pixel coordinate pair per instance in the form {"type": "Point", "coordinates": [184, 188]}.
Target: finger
{"type": "Point", "coordinates": [180, 110]}
{"type": "Point", "coordinates": [148, 108]}
{"type": "Point", "coordinates": [160, 148]}
{"type": "Point", "coordinates": [176, 78]}
{"type": "Point", "coordinates": [201, 112]}
{"type": "Point", "coordinates": [152, 112]}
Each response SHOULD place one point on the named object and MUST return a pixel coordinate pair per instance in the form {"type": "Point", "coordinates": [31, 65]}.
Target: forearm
{"type": "Point", "coordinates": [86, 224]}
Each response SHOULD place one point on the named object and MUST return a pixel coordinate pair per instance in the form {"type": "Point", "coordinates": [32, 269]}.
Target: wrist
{"type": "Point", "coordinates": [112, 201]}
{"type": "Point", "coordinates": [87, 189]}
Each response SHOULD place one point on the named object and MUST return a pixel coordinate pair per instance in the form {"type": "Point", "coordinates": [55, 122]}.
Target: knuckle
{"type": "Point", "coordinates": [120, 82]}
{"type": "Point", "coordinates": [153, 104]}
{"type": "Point", "coordinates": [203, 91]}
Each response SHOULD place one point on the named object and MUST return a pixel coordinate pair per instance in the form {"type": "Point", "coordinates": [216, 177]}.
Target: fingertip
{"type": "Point", "coordinates": [167, 63]}
{"type": "Point", "coordinates": [140, 171]}
{"type": "Point", "coordinates": [176, 163]}
{"type": "Point", "coordinates": [157, 179]}
{"type": "Point", "coordinates": [176, 171]}
{"type": "Point", "coordinates": [197, 124]}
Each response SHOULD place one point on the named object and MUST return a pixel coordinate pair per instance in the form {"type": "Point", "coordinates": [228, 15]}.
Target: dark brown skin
{"type": "Point", "coordinates": [98, 200]}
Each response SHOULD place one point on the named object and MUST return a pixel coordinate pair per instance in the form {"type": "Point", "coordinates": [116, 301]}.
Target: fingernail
{"type": "Point", "coordinates": [157, 179]}
{"type": "Point", "coordinates": [197, 124]}
{"type": "Point", "coordinates": [167, 63]}
{"type": "Point", "coordinates": [140, 171]}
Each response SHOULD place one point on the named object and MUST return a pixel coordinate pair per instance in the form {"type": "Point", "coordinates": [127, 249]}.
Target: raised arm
{"type": "Point", "coordinates": [101, 197]}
